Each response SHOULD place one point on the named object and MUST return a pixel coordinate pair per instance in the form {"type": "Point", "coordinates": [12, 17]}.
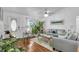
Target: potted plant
{"type": "Point", "coordinates": [37, 28]}
{"type": "Point", "coordinates": [9, 45]}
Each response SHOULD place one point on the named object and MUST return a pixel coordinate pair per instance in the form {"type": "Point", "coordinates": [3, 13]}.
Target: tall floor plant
{"type": "Point", "coordinates": [38, 27]}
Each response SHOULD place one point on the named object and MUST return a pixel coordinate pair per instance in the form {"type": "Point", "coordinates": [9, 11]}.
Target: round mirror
{"type": "Point", "coordinates": [13, 25]}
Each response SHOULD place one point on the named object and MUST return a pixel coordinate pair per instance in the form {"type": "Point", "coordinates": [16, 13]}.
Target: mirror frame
{"type": "Point", "coordinates": [12, 25]}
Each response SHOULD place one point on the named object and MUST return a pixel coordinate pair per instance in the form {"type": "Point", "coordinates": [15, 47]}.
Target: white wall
{"type": "Point", "coordinates": [21, 22]}
{"type": "Point", "coordinates": [21, 18]}
{"type": "Point", "coordinates": [68, 15]}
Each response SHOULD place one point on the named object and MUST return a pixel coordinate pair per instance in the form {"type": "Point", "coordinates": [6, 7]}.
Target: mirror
{"type": "Point", "coordinates": [13, 25]}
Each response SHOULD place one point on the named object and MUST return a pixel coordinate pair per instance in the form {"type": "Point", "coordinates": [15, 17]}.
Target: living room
{"type": "Point", "coordinates": [39, 29]}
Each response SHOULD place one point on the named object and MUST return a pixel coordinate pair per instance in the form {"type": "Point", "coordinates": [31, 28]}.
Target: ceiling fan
{"type": "Point", "coordinates": [47, 13]}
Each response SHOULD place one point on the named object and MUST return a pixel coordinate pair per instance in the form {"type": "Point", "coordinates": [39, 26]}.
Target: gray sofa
{"type": "Point", "coordinates": [66, 45]}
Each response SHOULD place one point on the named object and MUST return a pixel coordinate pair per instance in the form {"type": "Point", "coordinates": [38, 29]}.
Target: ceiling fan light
{"type": "Point", "coordinates": [45, 15]}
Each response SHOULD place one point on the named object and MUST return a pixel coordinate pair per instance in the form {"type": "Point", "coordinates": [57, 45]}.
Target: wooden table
{"type": "Point", "coordinates": [31, 46]}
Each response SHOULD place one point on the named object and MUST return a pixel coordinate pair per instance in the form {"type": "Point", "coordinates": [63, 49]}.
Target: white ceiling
{"type": "Point", "coordinates": [32, 11]}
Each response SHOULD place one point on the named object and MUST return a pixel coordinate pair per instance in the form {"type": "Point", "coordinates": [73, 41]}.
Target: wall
{"type": "Point", "coordinates": [20, 16]}
{"type": "Point", "coordinates": [69, 17]}
{"type": "Point", "coordinates": [20, 19]}
{"type": "Point", "coordinates": [67, 14]}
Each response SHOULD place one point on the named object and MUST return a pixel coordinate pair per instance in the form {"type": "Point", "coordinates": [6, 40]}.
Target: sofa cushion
{"type": "Point", "coordinates": [73, 37]}
{"type": "Point", "coordinates": [77, 39]}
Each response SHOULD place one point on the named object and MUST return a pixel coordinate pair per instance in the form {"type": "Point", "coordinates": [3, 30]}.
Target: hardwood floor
{"type": "Point", "coordinates": [37, 48]}
{"type": "Point", "coordinates": [31, 46]}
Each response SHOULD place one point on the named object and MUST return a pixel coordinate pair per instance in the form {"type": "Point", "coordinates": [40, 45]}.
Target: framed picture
{"type": "Point", "coordinates": [57, 22]}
